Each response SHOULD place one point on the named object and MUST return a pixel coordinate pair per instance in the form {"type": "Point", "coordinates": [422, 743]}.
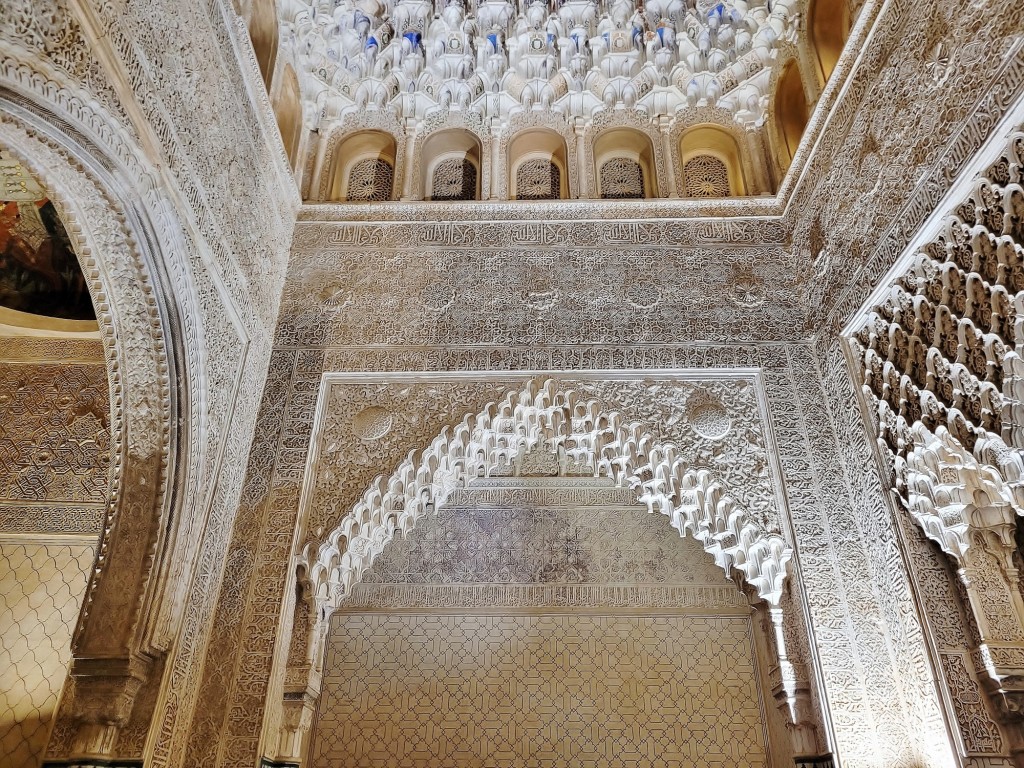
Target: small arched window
{"type": "Point", "coordinates": [706, 176]}
{"type": "Point", "coordinates": [452, 165]}
{"type": "Point", "coordinates": [622, 178]}
{"type": "Point", "coordinates": [360, 168]}
{"type": "Point", "coordinates": [537, 162]}
{"type": "Point", "coordinates": [370, 180]}
{"type": "Point", "coordinates": [454, 179]}
{"type": "Point", "coordinates": [710, 163]}
{"type": "Point", "coordinates": [538, 179]}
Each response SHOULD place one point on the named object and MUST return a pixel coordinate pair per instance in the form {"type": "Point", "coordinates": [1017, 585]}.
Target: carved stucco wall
{"type": "Point", "coordinates": [550, 290]}
{"type": "Point", "coordinates": [941, 352]}
{"type": "Point", "coordinates": [892, 151]}
{"type": "Point", "coordinates": [548, 540]}
{"type": "Point", "coordinates": [643, 650]}
{"type": "Point", "coordinates": [321, 330]}
{"type": "Point", "coordinates": [54, 436]}
{"type": "Point", "coordinates": [886, 130]}
{"type": "Point", "coordinates": [886, 714]}
{"type": "Point", "coordinates": [603, 690]}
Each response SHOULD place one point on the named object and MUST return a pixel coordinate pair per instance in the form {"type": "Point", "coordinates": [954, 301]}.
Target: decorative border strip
{"type": "Point", "coordinates": [369, 597]}
{"type": "Point", "coordinates": [34, 349]}
{"type": "Point", "coordinates": [580, 232]}
{"type": "Point", "coordinates": [44, 519]}
{"type": "Point", "coordinates": [594, 497]}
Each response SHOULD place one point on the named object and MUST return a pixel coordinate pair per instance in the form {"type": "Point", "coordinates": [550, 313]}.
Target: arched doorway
{"type": "Point", "coordinates": [131, 396]}
{"type": "Point", "coordinates": [55, 456]}
{"type": "Point", "coordinates": [554, 433]}
{"type": "Point", "coordinates": [548, 620]}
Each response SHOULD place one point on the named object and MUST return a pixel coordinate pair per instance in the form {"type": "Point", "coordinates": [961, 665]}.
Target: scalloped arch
{"type": "Point", "coordinates": [579, 430]}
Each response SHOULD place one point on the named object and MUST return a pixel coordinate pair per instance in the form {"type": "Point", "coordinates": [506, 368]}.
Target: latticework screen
{"type": "Point", "coordinates": [706, 176]}
{"type": "Point", "coordinates": [622, 179]}
{"type": "Point", "coordinates": [370, 180]}
{"type": "Point", "coordinates": [454, 179]}
{"type": "Point", "coordinates": [538, 179]}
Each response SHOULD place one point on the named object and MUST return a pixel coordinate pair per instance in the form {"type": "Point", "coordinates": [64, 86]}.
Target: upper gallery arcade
{"type": "Point", "coordinates": [532, 101]}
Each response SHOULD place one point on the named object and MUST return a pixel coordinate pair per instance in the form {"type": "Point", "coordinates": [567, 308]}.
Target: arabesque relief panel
{"type": "Point", "coordinates": [54, 435]}
{"type": "Point", "coordinates": [606, 291]}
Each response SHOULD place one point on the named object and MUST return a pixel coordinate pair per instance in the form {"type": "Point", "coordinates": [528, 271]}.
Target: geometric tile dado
{"type": "Point", "coordinates": [41, 589]}
{"type": "Point", "coordinates": [418, 690]}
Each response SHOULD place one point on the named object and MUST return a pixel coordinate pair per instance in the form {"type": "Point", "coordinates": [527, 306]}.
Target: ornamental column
{"type": "Point", "coordinates": [583, 190]}
{"type": "Point", "coordinates": [492, 182]}
{"type": "Point", "coordinates": [410, 166]}
{"type": "Point", "coordinates": [664, 126]}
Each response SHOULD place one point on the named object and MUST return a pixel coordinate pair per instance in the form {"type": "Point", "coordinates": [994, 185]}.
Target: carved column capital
{"type": "Point", "coordinates": [105, 691]}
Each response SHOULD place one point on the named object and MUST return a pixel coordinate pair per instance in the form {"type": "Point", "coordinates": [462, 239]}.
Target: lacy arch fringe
{"type": "Point", "coordinates": [542, 414]}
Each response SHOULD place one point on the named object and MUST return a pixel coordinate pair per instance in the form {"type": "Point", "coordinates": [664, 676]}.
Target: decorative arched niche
{"type": "Point", "coordinates": [452, 166]}
{"type": "Point", "coordinates": [828, 27]}
{"type": "Point", "coordinates": [711, 163]}
{"type": "Point", "coordinates": [288, 110]}
{"type": "Point", "coordinates": [263, 33]}
{"type": "Point", "coordinates": [790, 113]}
{"type": "Point", "coordinates": [624, 166]}
{"type": "Point", "coordinates": [362, 168]}
{"type": "Point", "coordinates": [563, 431]}
{"type": "Point", "coordinates": [538, 166]}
